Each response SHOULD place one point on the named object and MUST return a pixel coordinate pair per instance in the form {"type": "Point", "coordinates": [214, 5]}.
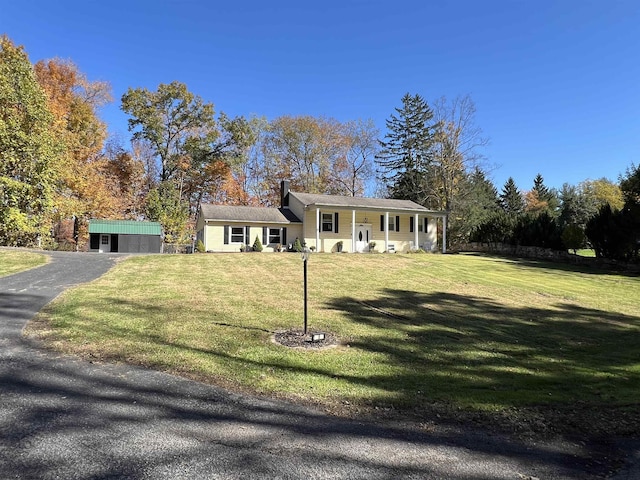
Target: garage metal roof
{"type": "Point", "coordinates": [125, 227]}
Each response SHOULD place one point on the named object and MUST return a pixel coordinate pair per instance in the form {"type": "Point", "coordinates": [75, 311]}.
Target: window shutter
{"type": "Point", "coordinates": [411, 224]}
{"type": "Point", "coordinates": [426, 225]}
{"type": "Point", "coordinates": [247, 232]}
{"type": "Point", "coordinates": [335, 221]}
{"type": "Point", "coordinates": [264, 236]}
{"type": "Point", "coordinates": [397, 223]}
{"type": "Point", "coordinates": [382, 223]}
{"type": "Point", "coordinates": [284, 236]}
{"type": "Point", "coordinates": [226, 234]}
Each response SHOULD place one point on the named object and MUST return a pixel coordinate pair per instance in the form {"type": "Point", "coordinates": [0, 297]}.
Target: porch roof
{"type": "Point", "coordinates": [363, 203]}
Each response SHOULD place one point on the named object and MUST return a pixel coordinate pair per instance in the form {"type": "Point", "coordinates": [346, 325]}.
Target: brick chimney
{"type": "Point", "coordinates": [284, 194]}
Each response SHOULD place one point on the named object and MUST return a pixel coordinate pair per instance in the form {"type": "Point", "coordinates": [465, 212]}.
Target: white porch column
{"type": "Point", "coordinates": [416, 245]}
{"type": "Point", "coordinates": [353, 231]}
{"type": "Point", "coordinates": [386, 231]}
{"type": "Point", "coordinates": [317, 230]}
{"type": "Point", "coordinates": [444, 234]}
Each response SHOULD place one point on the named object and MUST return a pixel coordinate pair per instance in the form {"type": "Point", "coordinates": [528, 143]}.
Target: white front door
{"type": "Point", "coordinates": [363, 237]}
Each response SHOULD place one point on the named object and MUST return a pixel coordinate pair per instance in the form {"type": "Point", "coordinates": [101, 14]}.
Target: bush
{"type": "Point", "coordinates": [297, 246]}
{"type": "Point", "coordinates": [257, 245]}
{"type": "Point", "coordinates": [573, 238]}
{"type": "Point", "coordinates": [200, 247]}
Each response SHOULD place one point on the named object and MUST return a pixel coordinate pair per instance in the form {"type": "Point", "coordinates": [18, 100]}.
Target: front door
{"type": "Point", "coordinates": [363, 237]}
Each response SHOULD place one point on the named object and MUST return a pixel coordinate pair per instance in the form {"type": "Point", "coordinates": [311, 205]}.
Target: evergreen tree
{"type": "Point", "coordinates": [406, 153]}
{"type": "Point", "coordinates": [511, 199]}
{"type": "Point", "coordinates": [540, 188]}
{"type": "Point", "coordinates": [257, 245]}
{"type": "Point", "coordinates": [477, 207]}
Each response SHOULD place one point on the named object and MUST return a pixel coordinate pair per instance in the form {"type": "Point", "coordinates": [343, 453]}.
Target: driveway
{"type": "Point", "coordinates": [62, 418]}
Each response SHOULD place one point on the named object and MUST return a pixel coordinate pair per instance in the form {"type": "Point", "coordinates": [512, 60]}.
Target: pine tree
{"type": "Point", "coordinates": [406, 153]}
{"type": "Point", "coordinates": [540, 188]}
{"type": "Point", "coordinates": [257, 245]}
{"type": "Point", "coordinates": [511, 199]}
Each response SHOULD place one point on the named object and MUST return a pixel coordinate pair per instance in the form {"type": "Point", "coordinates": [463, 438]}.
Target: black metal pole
{"type": "Point", "coordinates": [305, 296]}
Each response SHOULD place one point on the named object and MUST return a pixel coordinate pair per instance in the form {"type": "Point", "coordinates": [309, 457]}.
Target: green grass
{"type": "Point", "coordinates": [462, 335]}
{"type": "Point", "coordinates": [586, 252]}
{"type": "Point", "coordinates": [14, 261]}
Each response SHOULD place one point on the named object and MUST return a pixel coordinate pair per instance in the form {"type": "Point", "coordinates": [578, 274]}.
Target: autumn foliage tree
{"type": "Point", "coordinates": [85, 188]}
{"type": "Point", "coordinates": [317, 155]}
{"type": "Point", "coordinates": [29, 151]}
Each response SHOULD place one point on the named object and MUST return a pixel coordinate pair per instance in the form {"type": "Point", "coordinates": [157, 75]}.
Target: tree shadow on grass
{"type": "Point", "coordinates": [563, 368]}
{"type": "Point", "coordinates": [450, 351]}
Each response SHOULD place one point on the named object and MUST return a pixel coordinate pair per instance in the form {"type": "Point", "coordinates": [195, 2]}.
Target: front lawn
{"type": "Point", "coordinates": [459, 336]}
{"type": "Point", "coordinates": [14, 261]}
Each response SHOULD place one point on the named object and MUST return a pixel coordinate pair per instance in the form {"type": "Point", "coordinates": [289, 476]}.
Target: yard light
{"type": "Point", "coordinates": [305, 253]}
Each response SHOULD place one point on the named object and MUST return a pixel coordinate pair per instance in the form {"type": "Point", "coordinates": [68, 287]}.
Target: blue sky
{"type": "Point", "coordinates": [556, 83]}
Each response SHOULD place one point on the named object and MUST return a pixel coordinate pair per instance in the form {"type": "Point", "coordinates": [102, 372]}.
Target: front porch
{"type": "Point", "coordinates": [358, 231]}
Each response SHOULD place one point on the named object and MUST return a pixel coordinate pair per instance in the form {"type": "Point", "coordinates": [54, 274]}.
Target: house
{"type": "Point", "coordinates": [125, 236]}
{"type": "Point", "coordinates": [322, 222]}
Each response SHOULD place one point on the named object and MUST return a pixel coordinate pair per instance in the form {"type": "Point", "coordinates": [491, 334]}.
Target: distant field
{"type": "Point", "coordinates": [586, 252]}
{"type": "Point", "coordinates": [519, 344]}
{"type": "Point", "coordinates": [13, 261]}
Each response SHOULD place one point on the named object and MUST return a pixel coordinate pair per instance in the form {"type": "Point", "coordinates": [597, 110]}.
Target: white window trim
{"type": "Point", "coordinates": [322, 222]}
{"type": "Point", "coordinates": [231, 234]}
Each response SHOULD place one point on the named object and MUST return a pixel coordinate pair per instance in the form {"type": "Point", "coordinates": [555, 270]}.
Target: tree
{"type": "Point", "coordinates": [169, 119]}
{"type": "Point", "coordinates": [603, 191]}
{"type": "Point", "coordinates": [164, 205]}
{"type": "Point", "coordinates": [511, 199]}
{"type": "Point", "coordinates": [257, 245]}
{"type": "Point", "coordinates": [540, 199]}
{"type": "Point", "coordinates": [478, 206]}
{"type": "Point", "coordinates": [84, 189]}
{"type": "Point", "coordinates": [215, 173]}
{"type": "Point", "coordinates": [616, 233]}
{"type": "Point", "coordinates": [456, 148]}
{"type": "Point", "coordinates": [573, 238]}
{"type": "Point", "coordinates": [29, 151]}
{"type": "Point", "coordinates": [125, 174]}
{"type": "Point", "coordinates": [575, 207]}
{"type": "Point", "coordinates": [456, 155]}
{"type": "Point", "coordinates": [305, 150]}
{"type": "Point", "coordinates": [630, 185]}
{"type": "Point", "coordinates": [406, 153]}
{"type": "Point", "coordinates": [356, 167]}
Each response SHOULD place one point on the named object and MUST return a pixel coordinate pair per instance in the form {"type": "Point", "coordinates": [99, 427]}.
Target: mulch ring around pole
{"type": "Point", "coordinates": [297, 339]}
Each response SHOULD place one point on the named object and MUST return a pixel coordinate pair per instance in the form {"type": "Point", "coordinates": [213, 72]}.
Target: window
{"type": "Point", "coordinates": [327, 222]}
{"type": "Point", "coordinates": [237, 234]}
{"type": "Point", "coordinates": [274, 235]}
{"type": "Point", "coordinates": [392, 224]}
{"type": "Point", "coordinates": [105, 240]}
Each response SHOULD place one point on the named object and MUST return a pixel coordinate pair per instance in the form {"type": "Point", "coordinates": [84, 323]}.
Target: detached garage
{"type": "Point", "coordinates": [124, 236]}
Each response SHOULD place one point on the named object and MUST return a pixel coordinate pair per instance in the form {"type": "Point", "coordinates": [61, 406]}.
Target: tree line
{"type": "Point", "coordinates": [58, 168]}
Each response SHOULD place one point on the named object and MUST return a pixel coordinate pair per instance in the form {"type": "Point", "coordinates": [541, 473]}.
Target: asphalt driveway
{"type": "Point", "coordinates": [62, 418]}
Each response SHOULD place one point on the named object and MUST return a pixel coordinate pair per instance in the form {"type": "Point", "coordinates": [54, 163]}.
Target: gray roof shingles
{"type": "Point", "coordinates": [247, 214]}
{"type": "Point", "coordinates": [359, 202]}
